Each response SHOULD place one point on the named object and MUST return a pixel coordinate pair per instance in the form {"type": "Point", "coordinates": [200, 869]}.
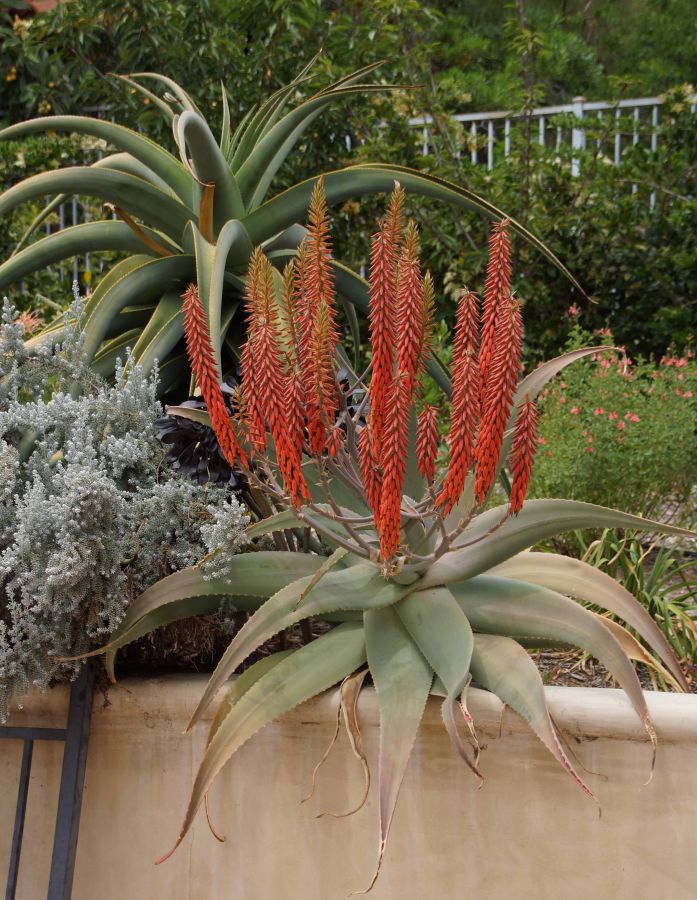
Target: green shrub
{"type": "Point", "coordinates": [616, 436]}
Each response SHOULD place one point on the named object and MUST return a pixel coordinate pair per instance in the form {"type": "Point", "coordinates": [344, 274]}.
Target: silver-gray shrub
{"type": "Point", "coordinates": [89, 514]}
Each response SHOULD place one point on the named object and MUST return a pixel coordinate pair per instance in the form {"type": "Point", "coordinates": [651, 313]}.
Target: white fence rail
{"type": "Point", "coordinates": [489, 133]}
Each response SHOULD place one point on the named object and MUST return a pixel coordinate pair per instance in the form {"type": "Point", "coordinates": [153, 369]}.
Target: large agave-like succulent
{"type": "Point", "coordinates": [197, 218]}
{"type": "Point", "coordinates": [431, 588]}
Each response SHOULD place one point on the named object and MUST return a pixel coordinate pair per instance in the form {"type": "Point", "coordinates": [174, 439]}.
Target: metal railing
{"type": "Point", "coordinates": [75, 737]}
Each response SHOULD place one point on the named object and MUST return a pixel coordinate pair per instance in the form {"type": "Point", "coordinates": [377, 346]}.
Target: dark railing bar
{"type": "Point", "coordinates": [20, 813]}
{"type": "Point", "coordinates": [60, 883]}
{"type": "Point", "coordinates": [20, 733]}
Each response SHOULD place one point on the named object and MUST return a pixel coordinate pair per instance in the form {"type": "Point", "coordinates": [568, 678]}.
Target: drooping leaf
{"type": "Point", "coordinates": [300, 676]}
{"type": "Point", "coordinates": [359, 587]}
{"type": "Point", "coordinates": [509, 608]}
{"type": "Point", "coordinates": [443, 634]}
{"type": "Point", "coordinates": [402, 679]}
{"type": "Point", "coordinates": [487, 542]}
{"type": "Point", "coordinates": [503, 667]}
{"type": "Point", "coordinates": [576, 578]}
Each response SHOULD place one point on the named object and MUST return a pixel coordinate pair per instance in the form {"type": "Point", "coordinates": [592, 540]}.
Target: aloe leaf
{"type": "Point", "coordinates": [161, 335]}
{"type": "Point", "coordinates": [576, 578]}
{"type": "Point", "coordinates": [297, 678]}
{"type": "Point", "coordinates": [161, 104]}
{"type": "Point", "coordinates": [358, 587]}
{"type": "Point", "coordinates": [148, 152]}
{"type": "Point", "coordinates": [259, 121]}
{"type": "Point", "coordinates": [287, 518]}
{"type": "Point", "coordinates": [136, 196]}
{"type": "Point", "coordinates": [125, 162]}
{"type": "Point", "coordinates": [443, 634]}
{"type": "Point", "coordinates": [146, 280]}
{"type": "Point", "coordinates": [210, 167]}
{"type": "Point", "coordinates": [503, 667]}
{"type": "Point", "coordinates": [258, 170]}
{"type": "Point", "coordinates": [241, 684]}
{"type": "Point", "coordinates": [514, 609]}
{"type": "Point", "coordinates": [117, 348]}
{"type": "Point", "coordinates": [635, 651]}
{"type": "Point", "coordinates": [402, 679]}
{"type": "Point", "coordinates": [201, 416]}
{"type": "Point", "coordinates": [291, 205]}
{"type": "Point", "coordinates": [490, 545]}
{"type": "Point", "coordinates": [182, 96]}
{"type": "Point", "coordinates": [78, 239]}
{"type": "Point", "coordinates": [39, 219]}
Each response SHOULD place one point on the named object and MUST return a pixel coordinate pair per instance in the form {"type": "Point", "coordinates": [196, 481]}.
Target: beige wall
{"type": "Point", "coordinates": [528, 832]}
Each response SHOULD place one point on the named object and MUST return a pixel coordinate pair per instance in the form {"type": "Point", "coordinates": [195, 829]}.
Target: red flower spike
{"type": "Point", "coordinates": [523, 453]}
{"type": "Point", "coordinates": [394, 457]}
{"type": "Point", "coordinates": [335, 441]}
{"type": "Point", "coordinates": [409, 308]}
{"type": "Point", "coordinates": [427, 441]}
{"type": "Point", "coordinates": [498, 286]}
{"type": "Point", "coordinates": [202, 361]}
{"type": "Point", "coordinates": [370, 473]}
{"type": "Point", "coordinates": [465, 399]}
{"type": "Point", "coordinates": [270, 383]}
{"type": "Point", "coordinates": [383, 324]}
{"type": "Point", "coordinates": [503, 376]}
{"type": "Point", "coordinates": [320, 386]}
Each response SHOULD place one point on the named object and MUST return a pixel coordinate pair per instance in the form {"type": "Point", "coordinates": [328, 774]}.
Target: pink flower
{"type": "Point", "coordinates": [686, 394]}
{"type": "Point", "coordinates": [562, 399]}
{"type": "Point", "coordinates": [621, 425]}
{"type": "Point", "coordinates": [681, 363]}
{"type": "Point", "coordinates": [605, 363]}
{"type": "Point", "coordinates": [590, 449]}
{"type": "Point", "coordinates": [612, 416]}
{"type": "Point", "coordinates": [619, 439]}
{"type": "Point", "coordinates": [676, 391]}
{"type": "Point", "coordinates": [541, 440]}
{"type": "Point", "coordinates": [585, 432]}
{"type": "Point", "coordinates": [632, 417]}
{"type": "Point", "coordinates": [575, 410]}
{"type": "Point", "coordinates": [573, 311]}
{"type": "Point", "coordinates": [590, 438]}
{"type": "Point", "coordinates": [598, 411]}
{"type": "Point", "coordinates": [562, 384]}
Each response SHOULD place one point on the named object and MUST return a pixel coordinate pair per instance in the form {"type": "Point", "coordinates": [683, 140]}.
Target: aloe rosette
{"type": "Point", "coordinates": [197, 216]}
{"type": "Point", "coordinates": [430, 586]}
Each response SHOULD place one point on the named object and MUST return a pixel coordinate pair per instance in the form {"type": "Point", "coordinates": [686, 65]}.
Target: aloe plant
{"type": "Point", "coordinates": [197, 217]}
{"type": "Point", "coordinates": [430, 585]}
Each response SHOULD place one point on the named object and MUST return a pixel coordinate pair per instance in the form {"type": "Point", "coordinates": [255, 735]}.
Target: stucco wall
{"type": "Point", "coordinates": [528, 832]}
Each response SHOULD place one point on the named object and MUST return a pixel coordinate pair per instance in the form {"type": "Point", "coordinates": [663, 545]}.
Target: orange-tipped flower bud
{"type": "Point", "coordinates": [503, 376]}
{"type": "Point", "coordinates": [410, 325]}
{"type": "Point", "coordinates": [523, 453]}
{"type": "Point", "coordinates": [427, 441]}
{"type": "Point", "coordinates": [498, 286]}
{"type": "Point", "coordinates": [394, 459]}
{"type": "Point", "coordinates": [202, 361]}
{"type": "Point", "coordinates": [465, 399]}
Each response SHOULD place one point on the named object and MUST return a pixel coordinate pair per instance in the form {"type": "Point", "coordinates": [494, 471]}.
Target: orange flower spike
{"type": "Point", "coordinates": [394, 459]}
{"type": "Point", "coordinates": [409, 308]}
{"type": "Point", "coordinates": [202, 361]}
{"type": "Point", "coordinates": [523, 453]}
{"type": "Point", "coordinates": [383, 320]}
{"type": "Point", "coordinates": [320, 388]}
{"type": "Point", "coordinates": [427, 441]}
{"type": "Point", "coordinates": [371, 473]}
{"type": "Point", "coordinates": [465, 399]}
{"type": "Point", "coordinates": [503, 376]}
{"type": "Point", "coordinates": [498, 285]}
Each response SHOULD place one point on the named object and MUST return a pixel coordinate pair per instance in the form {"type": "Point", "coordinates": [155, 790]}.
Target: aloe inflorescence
{"type": "Point", "coordinates": [432, 588]}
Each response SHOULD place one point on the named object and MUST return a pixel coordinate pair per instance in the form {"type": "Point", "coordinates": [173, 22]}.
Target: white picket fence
{"type": "Point", "coordinates": [489, 133]}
